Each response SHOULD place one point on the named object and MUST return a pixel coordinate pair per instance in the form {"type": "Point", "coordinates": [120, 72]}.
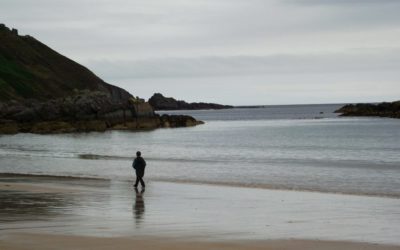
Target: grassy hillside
{"type": "Point", "coordinates": [30, 69]}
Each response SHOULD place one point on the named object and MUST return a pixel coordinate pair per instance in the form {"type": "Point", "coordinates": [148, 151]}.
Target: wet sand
{"type": "Point", "coordinates": [30, 241]}
{"type": "Point", "coordinates": [67, 213]}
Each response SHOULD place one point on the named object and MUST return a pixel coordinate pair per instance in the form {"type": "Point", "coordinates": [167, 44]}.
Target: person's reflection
{"type": "Point", "coordinates": [138, 207]}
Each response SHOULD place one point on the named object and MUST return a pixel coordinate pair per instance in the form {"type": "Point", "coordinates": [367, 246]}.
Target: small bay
{"type": "Point", "coordinates": [294, 147]}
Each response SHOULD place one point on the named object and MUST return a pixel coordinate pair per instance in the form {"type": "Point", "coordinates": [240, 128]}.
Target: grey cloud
{"type": "Point", "coordinates": [272, 88]}
{"type": "Point", "coordinates": [229, 19]}
{"type": "Point", "coordinates": [123, 29]}
{"type": "Point", "coordinates": [342, 2]}
{"type": "Point", "coordinates": [181, 46]}
{"type": "Point", "coordinates": [348, 15]}
{"type": "Point", "coordinates": [350, 61]}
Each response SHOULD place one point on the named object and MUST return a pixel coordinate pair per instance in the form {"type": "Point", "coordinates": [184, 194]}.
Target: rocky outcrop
{"type": "Point", "coordinates": [84, 112]}
{"type": "Point", "coordinates": [173, 121]}
{"type": "Point", "coordinates": [385, 109]}
{"type": "Point", "coordinates": [159, 102]}
{"type": "Point", "coordinates": [42, 91]}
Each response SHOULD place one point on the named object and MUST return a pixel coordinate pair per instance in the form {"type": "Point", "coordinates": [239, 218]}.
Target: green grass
{"type": "Point", "coordinates": [14, 78]}
{"type": "Point", "coordinates": [4, 90]}
{"type": "Point", "coordinates": [11, 68]}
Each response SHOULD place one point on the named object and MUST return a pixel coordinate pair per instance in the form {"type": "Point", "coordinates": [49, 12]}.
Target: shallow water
{"type": "Point", "coordinates": [281, 147]}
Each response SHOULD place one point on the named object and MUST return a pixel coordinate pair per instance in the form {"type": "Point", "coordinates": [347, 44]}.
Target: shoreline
{"type": "Point", "coordinates": [200, 182]}
{"type": "Point", "coordinates": [91, 211]}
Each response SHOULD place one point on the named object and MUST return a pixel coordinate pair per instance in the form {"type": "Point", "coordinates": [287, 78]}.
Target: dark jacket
{"type": "Point", "coordinates": [139, 164]}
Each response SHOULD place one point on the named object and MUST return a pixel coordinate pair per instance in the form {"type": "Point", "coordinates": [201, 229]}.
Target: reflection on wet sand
{"type": "Point", "coordinates": [138, 207]}
{"type": "Point", "coordinates": [83, 207]}
{"type": "Point", "coordinates": [23, 206]}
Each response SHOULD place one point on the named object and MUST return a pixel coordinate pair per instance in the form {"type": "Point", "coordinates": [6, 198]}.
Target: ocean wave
{"type": "Point", "coordinates": [103, 157]}
{"type": "Point", "coordinates": [160, 159]}
{"type": "Point", "coordinates": [35, 153]}
{"type": "Point", "coordinates": [89, 156]}
{"type": "Point", "coordinates": [40, 175]}
{"type": "Point", "coordinates": [386, 164]}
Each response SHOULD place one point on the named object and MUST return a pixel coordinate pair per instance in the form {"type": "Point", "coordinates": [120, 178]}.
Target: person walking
{"type": "Point", "coordinates": [139, 164]}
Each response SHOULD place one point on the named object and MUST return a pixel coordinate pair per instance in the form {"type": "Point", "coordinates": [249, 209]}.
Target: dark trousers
{"type": "Point", "coordinates": [139, 178]}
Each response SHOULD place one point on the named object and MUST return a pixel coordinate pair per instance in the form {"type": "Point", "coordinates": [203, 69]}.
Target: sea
{"type": "Point", "coordinates": [288, 147]}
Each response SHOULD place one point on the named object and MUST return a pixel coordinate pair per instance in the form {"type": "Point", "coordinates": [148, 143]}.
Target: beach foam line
{"type": "Point", "coordinates": [277, 187]}
{"type": "Point", "coordinates": [202, 182]}
{"type": "Point", "coordinates": [11, 175]}
{"type": "Point", "coordinates": [49, 154]}
{"type": "Point", "coordinates": [328, 163]}
{"type": "Point", "coordinates": [130, 158]}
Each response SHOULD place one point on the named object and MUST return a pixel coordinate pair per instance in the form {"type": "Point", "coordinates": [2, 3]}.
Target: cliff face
{"type": "Point", "coordinates": [385, 109]}
{"type": "Point", "coordinates": [159, 102]}
{"type": "Point", "coordinates": [42, 91]}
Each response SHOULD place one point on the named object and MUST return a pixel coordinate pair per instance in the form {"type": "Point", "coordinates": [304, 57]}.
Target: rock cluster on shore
{"type": "Point", "coordinates": [385, 109]}
{"type": "Point", "coordinates": [86, 111]}
{"type": "Point", "coordinates": [42, 91]}
{"type": "Point", "coordinates": [160, 102]}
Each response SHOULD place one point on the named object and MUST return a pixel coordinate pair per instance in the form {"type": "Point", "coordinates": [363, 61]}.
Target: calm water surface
{"type": "Point", "coordinates": [305, 147]}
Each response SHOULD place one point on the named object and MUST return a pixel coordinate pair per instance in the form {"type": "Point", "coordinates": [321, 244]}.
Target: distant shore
{"type": "Point", "coordinates": [384, 109]}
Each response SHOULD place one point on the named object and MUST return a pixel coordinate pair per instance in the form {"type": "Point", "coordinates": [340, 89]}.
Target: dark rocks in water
{"type": "Point", "coordinates": [159, 102]}
{"type": "Point", "coordinates": [385, 109]}
{"type": "Point", "coordinates": [42, 91]}
{"type": "Point", "coordinates": [173, 121]}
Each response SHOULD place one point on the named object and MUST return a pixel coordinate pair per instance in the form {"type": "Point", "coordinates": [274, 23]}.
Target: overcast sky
{"type": "Point", "coordinates": [240, 52]}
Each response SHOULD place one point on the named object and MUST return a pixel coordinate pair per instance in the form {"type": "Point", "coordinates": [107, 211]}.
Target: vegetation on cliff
{"type": "Point", "coordinates": [31, 70]}
{"type": "Point", "coordinates": [385, 109]}
{"type": "Point", "coordinates": [42, 91]}
{"type": "Point", "coordinates": [159, 102]}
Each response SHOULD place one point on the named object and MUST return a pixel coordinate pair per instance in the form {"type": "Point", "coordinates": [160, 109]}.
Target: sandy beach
{"type": "Point", "coordinates": [72, 213]}
{"type": "Point", "coordinates": [48, 241]}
